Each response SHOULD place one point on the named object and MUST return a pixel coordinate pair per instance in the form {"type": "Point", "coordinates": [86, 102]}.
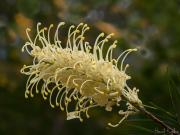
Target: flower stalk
{"type": "Point", "coordinates": [168, 129]}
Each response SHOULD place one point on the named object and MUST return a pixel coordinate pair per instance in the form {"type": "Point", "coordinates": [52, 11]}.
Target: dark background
{"type": "Point", "coordinates": [151, 25]}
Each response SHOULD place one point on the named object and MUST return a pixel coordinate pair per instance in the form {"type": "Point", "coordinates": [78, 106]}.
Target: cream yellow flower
{"type": "Point", "coordinates": [78, 73]}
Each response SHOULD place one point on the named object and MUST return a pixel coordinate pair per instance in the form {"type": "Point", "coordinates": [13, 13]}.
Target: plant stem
{"type": "Point", "coordinates": [171, 131]}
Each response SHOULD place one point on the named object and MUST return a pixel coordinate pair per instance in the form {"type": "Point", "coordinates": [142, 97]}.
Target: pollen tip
{"type": "Point", "coordinates": [26, 96]}
{"type": "Point", "coordinates": [28, 29]}
{"type": "Point", "coordinates": [27, 92]}
{"type": "Point", "coordinates": [46, 93]}
{"type": "Point", "coordinates": [81, 120]}
{"type": "Point", "coordinates": [135, 49]}
{"type": "Point", "coordinates": [75, 98]}
{"type": "Point", "coordinates": [52, 105]}
{"type": "Point", "coordinates": [62, 108]}
{"type": "Point", "coordinates": [114, 46]}
{"type": "Point", "coordinates": [111, 125]}
{"type": "Point", "coordinates": [102, 34]}
{"type": "Point", "coordinates": [22, 49]}
{"type": "Point", "coordinates": [91, 102]}
{"type": "Point", "coordinates": [68, 99]}
{"type": "Point", "coordinates": [39, 23]}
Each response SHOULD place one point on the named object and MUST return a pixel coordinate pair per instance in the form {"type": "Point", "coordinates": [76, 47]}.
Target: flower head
{"type": "Point", "coordinates": [77, 72]}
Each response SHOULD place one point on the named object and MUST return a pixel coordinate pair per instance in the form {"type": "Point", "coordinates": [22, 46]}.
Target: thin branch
{"type": "Point", "coordinates": [171, 131]}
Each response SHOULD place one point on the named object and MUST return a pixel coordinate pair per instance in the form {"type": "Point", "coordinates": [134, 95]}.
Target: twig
{"type": "Point", "coordinates": [171, 131]}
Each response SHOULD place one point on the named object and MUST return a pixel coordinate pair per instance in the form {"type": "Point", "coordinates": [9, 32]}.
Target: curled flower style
{"type": "Point", "coordinates": [78, 74]}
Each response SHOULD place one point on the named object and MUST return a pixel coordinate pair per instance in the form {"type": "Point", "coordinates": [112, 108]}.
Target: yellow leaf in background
{"type": "Point", "coordinates": [61, 4]}
{"type": "Point", "coordinates": [108, 28]}
{"type": "Point", "coordinates": [22, 23]}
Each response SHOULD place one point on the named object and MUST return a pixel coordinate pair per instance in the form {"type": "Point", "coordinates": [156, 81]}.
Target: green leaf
{"type": "Point", "coordinates": [142, 128]}
{"type": "Point", "coordinates": [174, 92]}
{"type": "Point", "coordinates": [158, 108]}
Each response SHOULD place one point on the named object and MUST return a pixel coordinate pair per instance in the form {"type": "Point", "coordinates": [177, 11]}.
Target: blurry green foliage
{"type": "Point", "coordinates": [31, 10]}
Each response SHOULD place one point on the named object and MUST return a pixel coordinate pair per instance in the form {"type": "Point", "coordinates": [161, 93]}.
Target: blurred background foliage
{"type": "Point", "coordinates": [153, 26]}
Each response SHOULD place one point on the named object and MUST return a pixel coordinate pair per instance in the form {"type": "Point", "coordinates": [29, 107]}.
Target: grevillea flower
{"type": "Point", "coordinates": [78, 74]}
